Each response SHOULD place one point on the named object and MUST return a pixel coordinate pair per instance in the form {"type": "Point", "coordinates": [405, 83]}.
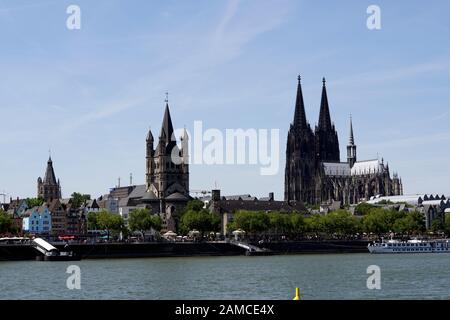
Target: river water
{"type": "Point", "coordinates": [327, 276]}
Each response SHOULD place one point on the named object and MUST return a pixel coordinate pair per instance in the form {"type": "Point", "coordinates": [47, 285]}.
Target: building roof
{"type": "Point", "coordinates": [244, 197]}
{"type": "Point", "coordinates": [50, 178]}
{"type": "Point", "coordinates": [138, 192]}
{"type": "Point", "coordinates": [236, 205]}
{"type": "Point", "coordinates": [435, 202]}
{"type": "Point", "coordinates": [336, 168]}
{"type": "Point", "coordinates": [367, 167]}
{"type": "Point", "coordinates": [177, 196]}
{"type": "Point", "coordinates": [412, 199]}
{"type": "Point", "coordinates": [121, 192]}
{"type": "Point", "coordinates": [150, 195]}
{"type": "Point", "coordinates": [54, 205]}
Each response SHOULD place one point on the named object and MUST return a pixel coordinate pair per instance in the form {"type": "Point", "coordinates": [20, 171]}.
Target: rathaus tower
{"type": "Point", "coordinates": [49, 188]}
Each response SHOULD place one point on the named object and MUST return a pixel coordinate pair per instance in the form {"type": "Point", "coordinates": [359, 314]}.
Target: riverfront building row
{"type": "Point", "coordinates": [314, 175]}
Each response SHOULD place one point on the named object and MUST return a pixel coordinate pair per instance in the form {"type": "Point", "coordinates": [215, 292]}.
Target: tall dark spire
{"type": "Point", "coordinates": [324, 116]}
{"type": "Point", "coordinates": [327, 142]}
{"type": "Point", "coordinates": [167, 127]}
{"type": "Point", "coordinates": [351, 139]}
{"type": "Point", "coordinates": [149, 135]}
{"type": "Point", "coordinates": [50, 178]}
{"type": "Point", "coordinates": [300, 115]}
{"type": "Point", "coordinates": [351, 147]}
{"type": "Point", "coordinates": [49, 188]}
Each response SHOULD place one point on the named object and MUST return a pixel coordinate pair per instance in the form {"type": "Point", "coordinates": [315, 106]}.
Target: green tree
{"type": "Point", "coordinates": [377, 221]}
{"type": "Point", "coordinates": [92, 219]}
{"type": "Point", "coordinates": [253, 222]}
{"type": "Point", "coordinates": [447, 224]}
{"type": "Point", "coordinates": [202, 221]}
{"type": "Point", "coordinates": [298, 224]}
{"type": "Point", "coordinates": [142, 220]}
{"type": "Point", "coordinates": [79, 199]}
{"type": "Point", "coordinates": [363, 208]}
{"type": "Point", "coordinates": [315, 224]}
{"type": "Point", "coordinates": [341, 222]}
{"type": "Point", "coordinates": [280, 223]}
{"type": "Point", "coordinates": [34, 202]}
{"type": "Point", "coordinates": [193, 205]}
{"type": "Point", "coordinates": [409, 224]}
{"type": "Point", "coordinates": [437, 225]}
{"type": "Point", "coordinates": [111, 222]}
{"type": "Point", "coordinates": [6, 222]}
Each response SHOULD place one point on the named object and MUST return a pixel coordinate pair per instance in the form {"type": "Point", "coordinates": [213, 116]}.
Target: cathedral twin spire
{"type": "Point", "coordinates": [324, 116]}
{"type": "Point", "coordinates": [300, 114]}
{"type": "Point", "coordinates": [326, 139]}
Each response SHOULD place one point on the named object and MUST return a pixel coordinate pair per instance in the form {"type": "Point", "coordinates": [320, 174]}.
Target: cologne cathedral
{"type": "Point", "coordinates": [314, 173]}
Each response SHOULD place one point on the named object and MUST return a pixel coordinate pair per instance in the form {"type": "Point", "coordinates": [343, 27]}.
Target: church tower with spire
{"type": "Point", "coordinates": [167, 173]}
{"type": "Point", "coordinates": [300, 155]}
{"type": "Point", "coordinates": [49, 188]}
{"type": "Point", "coordinates": [351, 147]}
{"type": "Point", "coordinates": [327, 142]}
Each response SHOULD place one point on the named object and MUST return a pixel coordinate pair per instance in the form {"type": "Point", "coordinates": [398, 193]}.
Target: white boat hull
{"type": "Point", "coordinates": [442, 246]}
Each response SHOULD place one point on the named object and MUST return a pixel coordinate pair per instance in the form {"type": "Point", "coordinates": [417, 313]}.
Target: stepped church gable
{"type": "Point", "coordinates": [314, 172]}
{"type": "Point", "coordinates": [167, 173]}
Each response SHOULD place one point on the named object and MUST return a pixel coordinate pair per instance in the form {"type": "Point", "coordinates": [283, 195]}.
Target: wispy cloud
{"type": "Point", "coordinates": [242, 22]}
{"type": "Point", "coordinates": [440, 116]}
{"type": "Point", "coordinates": [403, 72]}
{"type": "Point", "coordinates": [26, 6]}
{"type": "Point", "coordinates": [416, 141]}
{"type": "Point", "coordinates": [237, 27]}
{"type": "Point", "coordinates": [105, 110]}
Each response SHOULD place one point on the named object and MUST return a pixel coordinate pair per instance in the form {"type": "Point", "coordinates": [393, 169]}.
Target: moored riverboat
{"type": "Point", "coordinates": [410, 246]}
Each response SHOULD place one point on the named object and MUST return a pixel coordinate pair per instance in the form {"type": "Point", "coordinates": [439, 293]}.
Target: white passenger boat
{"type": "Point", "coordinates": [410, 246]}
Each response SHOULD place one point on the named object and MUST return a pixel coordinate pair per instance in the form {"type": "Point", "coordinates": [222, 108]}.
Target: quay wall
{"type": "Point", "coordinates": [183, 249]}
{"type": "Point", "coordinates": [316, 246]}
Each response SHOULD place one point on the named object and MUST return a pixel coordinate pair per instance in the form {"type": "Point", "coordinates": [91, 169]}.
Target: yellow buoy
{"type": "Point", "coordinates": [297, 294]}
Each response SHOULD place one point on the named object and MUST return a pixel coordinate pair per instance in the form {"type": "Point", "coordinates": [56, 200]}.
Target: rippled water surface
{"type": "Point", "coordinates": [330, 276]}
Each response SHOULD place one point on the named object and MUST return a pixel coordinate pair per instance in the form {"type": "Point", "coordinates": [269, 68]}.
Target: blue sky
{"type": "Point", "coordinates": [90, 95]}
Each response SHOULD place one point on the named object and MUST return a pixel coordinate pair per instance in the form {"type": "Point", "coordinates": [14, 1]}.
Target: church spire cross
{"type": "Point", "coordinates": [167, 127]}
{"type": "Point", "coordinates": [324, 116]}
{"type": "Point", "coordinates": [167, 97]}
{"type": "Point", "coordinates": [351, 139]}
{"type": "Point", "coordinates": [300, 114]}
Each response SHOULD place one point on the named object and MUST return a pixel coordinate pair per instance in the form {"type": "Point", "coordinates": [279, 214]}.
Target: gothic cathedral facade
{"type": "Point", "coordinates": [314, 173]}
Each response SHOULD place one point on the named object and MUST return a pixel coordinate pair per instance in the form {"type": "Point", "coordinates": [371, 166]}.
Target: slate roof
{"type": "Point", "coordinates": [236, 205]}
{"type": "Point", "coordinates": [50, 178]}
{"type": "Point", "coordinates": [177, 196]}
